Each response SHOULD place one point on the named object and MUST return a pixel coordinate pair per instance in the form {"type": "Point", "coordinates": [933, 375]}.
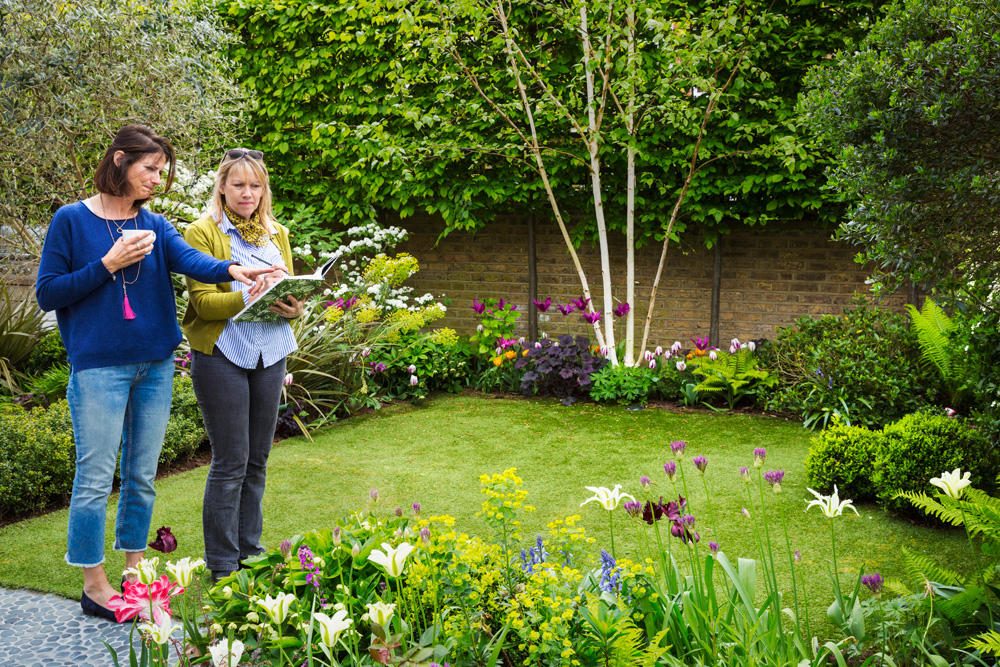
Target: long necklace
{"type": "Point", "coordinates": [127, 312]}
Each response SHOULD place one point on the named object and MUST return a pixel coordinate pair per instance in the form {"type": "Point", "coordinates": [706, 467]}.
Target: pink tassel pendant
{"type": "Point", "coordinates": [127, 309]}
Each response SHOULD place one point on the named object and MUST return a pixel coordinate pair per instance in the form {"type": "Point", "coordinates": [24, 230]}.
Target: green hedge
{"type": "Point", "coordinates": [866, 465]}
{"type": "Point", "coordinates": [38, 455]}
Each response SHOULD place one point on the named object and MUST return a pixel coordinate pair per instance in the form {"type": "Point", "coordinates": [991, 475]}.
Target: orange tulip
{"type": "Point", "coordinates": [497, 361]}
{"type": "Point", "coordinates": [510, 354]}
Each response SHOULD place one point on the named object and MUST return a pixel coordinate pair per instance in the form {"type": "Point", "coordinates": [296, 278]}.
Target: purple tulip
{"type": "Point", "coordinates": [633, 508]}
{"type": "Point", "coordinates": [622, 309]}
{"type": "Point", "coordinates": [580, 303]}
{"type": "Point", "coordinates": [591, 318]}
{"type": "Point", "coordinates": [567, 309]}
{"type": "Point", "coordinates": [700, 342]}
{"type": "Point", "coordinates": [542, 306]}
{"type": "Point", "coordinates": [480, 308]}
{"type": "Point", "coordinates": [504, 343]}
{"type": "Point", "coordinates": [700, 462]}
{"type": "Point", "coordinates": [165, 541]}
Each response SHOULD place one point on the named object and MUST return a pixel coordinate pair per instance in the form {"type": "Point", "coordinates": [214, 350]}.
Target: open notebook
{"type": "Point", "coordinates": [259, 310]}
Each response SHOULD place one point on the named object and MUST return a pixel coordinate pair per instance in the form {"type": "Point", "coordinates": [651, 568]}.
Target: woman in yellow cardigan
{"type": "Point", "coordinates": [237, 368]}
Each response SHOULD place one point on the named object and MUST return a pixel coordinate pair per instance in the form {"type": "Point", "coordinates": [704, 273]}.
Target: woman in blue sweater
{"type": "Point", "coordinates": [105, 269]}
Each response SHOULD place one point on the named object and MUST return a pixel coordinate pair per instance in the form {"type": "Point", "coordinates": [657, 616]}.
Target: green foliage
{"type": "Point", "coordinates": [75, 72]}
{"type": "Point", "coordinates": [734, 376]}
{"type": "Point", "coordinates": [497, 320]}
{"type": "Point", "coordinates": [625, 385]}
{"type": "Point", "coordinates": [49, 352]}
{"type": "Point", "coordinates": [984, 349]}
{"type": "Point", "coordinates": [52, 383]}
{"type": "Point", "coordinates": [921, 446]}
{"type": "Point", "coordinates": [365, 105]}
{"type": "Point", "coordinates": [936, 333]}
{"type": "Point", "coordinates": [37, 457]}
{"type": "Point", "coordinates": [437, 365]}
{"type": "Point", "coordinates": [22, 325]}
{"type": "Point", "coordinates": [909, 113]}
{"type": "Point", "coordinates": [185, 429]}
{"type": "Point", "coordinates": [862, 367]}
{"type": "Point", "coordinates": [844, 456]}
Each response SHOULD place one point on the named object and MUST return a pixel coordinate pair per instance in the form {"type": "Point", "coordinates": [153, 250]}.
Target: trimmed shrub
{"type": "Point", "coordinates": [844, 455]}
{"type": "Point", "coordinates": [37, 457]}
{"type": "Point", "coordinates": [921, 446]}
{"type": "Point", "coordinates": [185, 430]}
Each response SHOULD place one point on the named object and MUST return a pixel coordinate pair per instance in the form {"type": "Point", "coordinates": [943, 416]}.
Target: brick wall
{"type": "Point", "coordinates": [770, 276]}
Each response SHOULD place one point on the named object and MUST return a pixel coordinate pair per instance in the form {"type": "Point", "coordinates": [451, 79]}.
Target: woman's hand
{"type": "Point", "coordinates": [255, 277]}
{"type": "Point", "coordinates": [126, 253]}
{"type": "Point", "coordinates": [291, 310]}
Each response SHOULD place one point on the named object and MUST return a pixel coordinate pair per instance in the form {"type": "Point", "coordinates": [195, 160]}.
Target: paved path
{"type": "Point", "coordinates": [44, 630]}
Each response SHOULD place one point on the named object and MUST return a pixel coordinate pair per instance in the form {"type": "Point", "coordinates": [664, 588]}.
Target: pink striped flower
{"type": "Point", "coordinates": [150, 603]}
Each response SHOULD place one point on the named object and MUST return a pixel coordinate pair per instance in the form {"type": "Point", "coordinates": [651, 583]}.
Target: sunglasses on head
{"type": "Point", "coordinates": [237, 153]}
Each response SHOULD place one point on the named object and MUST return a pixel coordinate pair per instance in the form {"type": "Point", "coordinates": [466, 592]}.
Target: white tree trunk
{"type": "Point", "coordinates": [630, 196]}
{"type": "Point", "coordinates": [593, 145]}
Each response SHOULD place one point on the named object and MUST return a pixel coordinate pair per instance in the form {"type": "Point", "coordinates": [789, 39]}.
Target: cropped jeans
{"type": "Point", "coordinates": [116, 408]}
{"type": "Point", "coordinates": [240, 409]}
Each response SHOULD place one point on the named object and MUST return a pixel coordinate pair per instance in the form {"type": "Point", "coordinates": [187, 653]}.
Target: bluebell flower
{"type": "Point", "coordinates": [611, 580]}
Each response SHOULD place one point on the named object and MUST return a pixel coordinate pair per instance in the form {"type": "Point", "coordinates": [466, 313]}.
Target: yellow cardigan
{"type": "Point", "coordinates": [211, 306]}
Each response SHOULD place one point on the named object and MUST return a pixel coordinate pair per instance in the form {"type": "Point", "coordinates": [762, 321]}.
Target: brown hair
{"type": "Point", "coordinates": [134, 141]}
{"type": "Point", "coordinates": [247, 167]}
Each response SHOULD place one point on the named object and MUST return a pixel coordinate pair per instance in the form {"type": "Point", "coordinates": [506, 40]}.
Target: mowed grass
{"type": "Point", "coordinates": [434, 454]}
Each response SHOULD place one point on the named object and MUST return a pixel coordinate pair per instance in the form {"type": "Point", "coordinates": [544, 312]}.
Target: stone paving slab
{"type": "Point", "coordinates": [44, 630]}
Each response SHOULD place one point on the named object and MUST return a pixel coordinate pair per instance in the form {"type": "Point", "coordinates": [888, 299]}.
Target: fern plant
{"type": "Point", "coordinates": [935, 335]}
{"type": "Point", "coordinates": [965, 602]}
{"type": "Point", "coordinates": [733, 375]}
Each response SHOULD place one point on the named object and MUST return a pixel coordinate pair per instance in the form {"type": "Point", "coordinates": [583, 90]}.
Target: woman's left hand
{"type": "Point", "coordinates": [291, 310]}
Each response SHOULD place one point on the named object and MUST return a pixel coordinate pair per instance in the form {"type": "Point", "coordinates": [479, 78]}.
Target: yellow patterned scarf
{"type": "Point", "coordinates": [251, 230]}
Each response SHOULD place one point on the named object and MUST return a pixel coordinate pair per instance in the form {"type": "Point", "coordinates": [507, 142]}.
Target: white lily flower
{"type": "Point", "coordinates": [159, 632]}
{"type": "Point", "coordinates": [184, 569]}
{"type": "Point", "coordinates": [831, 505]}
{"type": "Point", "coordinates": [392, 560]}
{"type": "Point", "coordinates": [381, 613]}
{"type": "Point", "coordinates": [277, 608]}
{"type": "Point", "coordinates": [952, 482]}
{"type": "Point", "coordinates": [145, 570]}
{"type": "Point", "coordinates": [608, 498]}
{"type": "Point", "coordinates": [225, 654]}
{"type": "Point", "coordinates": [330, 628]}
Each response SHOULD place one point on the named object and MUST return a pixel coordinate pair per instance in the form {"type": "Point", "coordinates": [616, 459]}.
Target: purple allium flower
{"type": "Point", "coordinates": [714, 546]}
{"type": "Point", "coordinates": [798, 556]}
{"type": "Point", "coordinates": [645, 482]}
{"type": "Point", "coordinates": [567, 309]}
{"type": "Point", "coordinates": [580, 303]}
{"type": "Point", "coordinates": [591, 318]}
{"type": "Point", "coordinates": [745, 474]}
{"type": "Point", "coordinates": [399, 511]}
{"type": "Point", "coordinates": [622, 309]}
{"type": "Point", "coordinates": [681, 366]}
{"type": "Point", "coordinates": [416, 509]}
{"type": "Point", "coordinates": [425, 535]}
{"type": "Point", "coordinates": [874, 583]}
{"type": "Point", "coordinates": [480, 308]}
{"type": "Point", "coordinates": [678, 447]}
{"type": "Point", "coordinates": [542, 306]}
{"type": "Point", "coordinates": [671, 469]}
{"type": "Point", "coordinates": [759, 454]}
{"type": "Point", "coordinates": [687, 520]}
{"type": "Point", "coordinates": [633, 508]}
{"type": "Point", "coordinates": [373, 495]}
{"type": "Point", "coordinates": [337, 539]}
{"type": "Point", "coordinates": [285, 548]}
{"type": "Point", "coordinates": [700, 462]}
{"type": "Point", "coordinates": [774, 478]}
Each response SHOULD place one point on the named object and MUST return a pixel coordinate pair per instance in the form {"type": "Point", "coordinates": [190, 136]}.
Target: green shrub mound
{"type": "Point", "coordinates": [625, 385]}
{"type": "Point", "coordinates": [37, 457]}
{"type": "Point", "coordinates": [921, 446]}
{"type": "Point", "coordinates": [844, 456]}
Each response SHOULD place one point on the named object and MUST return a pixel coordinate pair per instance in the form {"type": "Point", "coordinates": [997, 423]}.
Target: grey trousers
{"type": "Point", "coordinates": [240, 409]}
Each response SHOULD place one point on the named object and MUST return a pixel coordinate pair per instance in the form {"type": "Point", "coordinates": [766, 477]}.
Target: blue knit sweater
{"type": "Point", "coordinates": [74, 282]}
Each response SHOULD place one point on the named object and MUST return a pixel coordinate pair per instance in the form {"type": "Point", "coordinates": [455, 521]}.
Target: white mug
{"type": "Point", "coordinates": [130, 233]}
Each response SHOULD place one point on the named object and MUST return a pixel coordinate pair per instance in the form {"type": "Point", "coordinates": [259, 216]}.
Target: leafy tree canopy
{"type": "Point", "coordinates": [364, 105]}
{"type": "Point", "coordinates": [913, 115]}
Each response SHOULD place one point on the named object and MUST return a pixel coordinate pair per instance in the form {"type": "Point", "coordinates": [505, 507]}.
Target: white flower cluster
{"type": "Point", "coordinates": [188, 198]}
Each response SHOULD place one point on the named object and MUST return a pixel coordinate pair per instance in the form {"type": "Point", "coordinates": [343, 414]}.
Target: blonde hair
{"type": "Point", "coordinates": [251, 168]}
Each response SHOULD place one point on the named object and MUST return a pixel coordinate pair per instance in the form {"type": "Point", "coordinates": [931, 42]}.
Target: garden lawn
{"type": "Point", "coordinates": [434, 454]}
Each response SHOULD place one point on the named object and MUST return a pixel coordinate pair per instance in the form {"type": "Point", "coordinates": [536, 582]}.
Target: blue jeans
{"type": "Point", "coordinates": [240, 409]}
{"type": "Point", "coordinates": [116, 408]}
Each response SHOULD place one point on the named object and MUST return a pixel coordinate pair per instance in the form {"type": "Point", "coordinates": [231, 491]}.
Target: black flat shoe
{"type": "Point", "coordinates": [91, 608]}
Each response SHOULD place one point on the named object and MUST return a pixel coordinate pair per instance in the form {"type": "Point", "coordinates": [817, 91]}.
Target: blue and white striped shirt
{"type": "Point", "coordinates": [246, 343]}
